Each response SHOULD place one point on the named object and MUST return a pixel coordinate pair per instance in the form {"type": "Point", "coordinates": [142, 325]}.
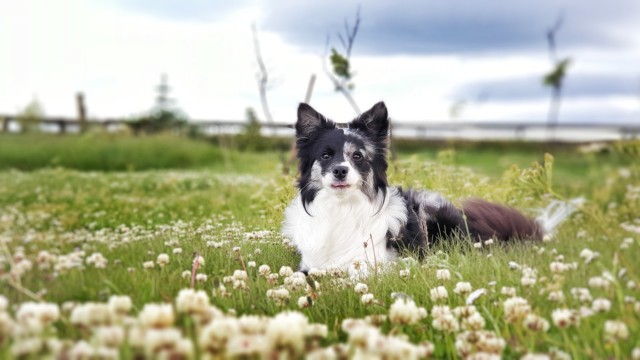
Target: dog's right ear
{"type": "Point", "coordinates": [310, 122]}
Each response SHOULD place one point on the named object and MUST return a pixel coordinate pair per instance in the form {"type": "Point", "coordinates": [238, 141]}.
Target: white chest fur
{"type": "Point", "coordinates": [339, 227]}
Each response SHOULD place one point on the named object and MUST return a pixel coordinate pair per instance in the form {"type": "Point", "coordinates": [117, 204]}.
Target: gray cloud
{"type": "Point", "coordinates": [446, 27]}
{"type": "Point", "coordinates": [531, 88]}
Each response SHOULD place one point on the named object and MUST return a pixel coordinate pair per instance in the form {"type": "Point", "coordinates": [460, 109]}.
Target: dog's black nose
{"type": "Point", "coordinates": [340, 172]}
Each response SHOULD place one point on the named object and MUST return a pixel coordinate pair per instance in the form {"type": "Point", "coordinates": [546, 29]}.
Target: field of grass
{"type": "Point", "coordinates": [99, 265]}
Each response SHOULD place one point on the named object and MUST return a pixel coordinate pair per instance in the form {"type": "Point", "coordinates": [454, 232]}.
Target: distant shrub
{"type": "Point", "coordinates": [105, 152]}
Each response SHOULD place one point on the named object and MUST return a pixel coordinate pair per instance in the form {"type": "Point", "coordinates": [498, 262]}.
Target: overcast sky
{"type": "Point", "coordinates": [420, 57]}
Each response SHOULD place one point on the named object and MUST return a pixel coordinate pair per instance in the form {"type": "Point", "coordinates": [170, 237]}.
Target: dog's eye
{"type": "Point", "coordinates": [325, 156]}
{"type": "Point", "coordinates": [357, 156]}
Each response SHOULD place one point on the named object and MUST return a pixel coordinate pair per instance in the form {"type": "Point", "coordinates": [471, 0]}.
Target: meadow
{"type": "Point", "coordinates": [184, 260]}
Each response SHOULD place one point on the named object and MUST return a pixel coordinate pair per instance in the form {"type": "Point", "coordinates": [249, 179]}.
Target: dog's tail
{"type": "Point", "coordinates": [556, 212]}
{"type": "Point", "coordinates": [486, 220]}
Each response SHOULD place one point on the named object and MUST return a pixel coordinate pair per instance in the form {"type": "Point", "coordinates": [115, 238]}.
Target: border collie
{"type": "Point", "coordinates": [345, 213]}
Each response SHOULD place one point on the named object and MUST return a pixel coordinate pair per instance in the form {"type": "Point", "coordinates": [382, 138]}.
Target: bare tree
{"type": "Point", "coordinates": [341, 73]}
{"type": "Point", "coordinates": [264, 82]}
{"type": "Point", "coordinates": [555, 78]}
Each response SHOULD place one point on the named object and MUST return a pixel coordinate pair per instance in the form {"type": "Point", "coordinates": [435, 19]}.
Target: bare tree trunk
{"type": "Point", "coordinates": [263, 79]}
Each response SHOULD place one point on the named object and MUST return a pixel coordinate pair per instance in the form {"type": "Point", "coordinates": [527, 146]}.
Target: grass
{"type": "Point", "coordinates": [229, 213]}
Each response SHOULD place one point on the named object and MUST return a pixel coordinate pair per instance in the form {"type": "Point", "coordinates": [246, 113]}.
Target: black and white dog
{"type": "Point", "coordinates": [345, 213]}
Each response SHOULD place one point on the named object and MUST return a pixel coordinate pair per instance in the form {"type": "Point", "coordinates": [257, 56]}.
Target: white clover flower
{"type": "Point", "coordinates": [4, 303]}
{"type": "Point", "coordinates": [240, 275]}
{"type": "Point", "coordinates": [91, 314]}
{"type": "Point", "coordinates": [251, 264]}
{"type": "Point", "coordinates": [201, 277]}
{"type": "Point", "coordinates": [405, 312]}
{"type": "Point", "coordinates": [564, 318]}
{"type": "Point", "coordinates": [236, 249]}
{"type": "Point", "coordinates": [34, 317]}
{"type": "Point", "coordinates": [446, 323]}
{"type": "Point", "coordinates": [296, 281]}
{"type": "Point", "coordinates": [186, 274]}
{"type": "Point", "coordinates": [515, 309]}
{"type": "Point", "coordinates": [514, 265]}
{"type": "Point", "coordinates": [631, 285]}
{"type": "Point", "coordinates": [285, 271]}
{"type": "Point", "coordinates": [443, 274]}
{"type": "Point", "coordinates": [162, 260]}
{"type": "Point", "coordinates": [264, 270]}
{"type": "Point", "coordinates": [286, 331]}
{"type": "Point", "coordinates": [615, 330]}
{"type": "Point", "coordinates": [280, 296]}
{"type": "Point", "coordinates": [120, 305]}
{"type": "Point", "coordinates": [215, 335]}
{"type": "Point", "coordinates": [177, 251]}
{"type": "Point", "coordinates": [313, 272]}
{"type": "Point", "coordinates": [581, 294]}
{"type": "Point", "coordinates": [156, 316]}
{"type": "Point", "coordinates": [148, 264]}
{"type": "Point", "coordinates": [556, 296]}
{"type": "Point", "coordinates": [508, 291]}
{"type": "Point", "coordinates": [599, 282]}
{"type": "Point", "coordinates": [535, 323]}
{"type": "Point", "coordinates": [240, 285]}
{"type": "Point", "coordinates": [98, 260]}
{"type": "Point", "coordinates": [303, 302]}
{"type": "Point", "coordinates": [192, 302]}
{"type": "Point", "coordinates": [199, 260]}
{"type": "Point", "coordinates": [404, 274]}
{"type": "Point", "coordinates": [361, 288]}
{"type": "Point", "coordinates": [109, 336]}
{"type": "Point", "coordinates": [601, 305]}
{"type": "Point", "coordinates": [635, 353]}
{"type": "Point", "coordinates": [589, 255]}
{"type": "Point", "coordinates": [367, 299]}
{"type": "Point", "coordinates": [439, 293]}
{"type": "Point", "coordinates": [473, 322]}
{"type": "Point", "coordinates": [462, 288]}
{"type": "Point", "coordinates": [245, 346]}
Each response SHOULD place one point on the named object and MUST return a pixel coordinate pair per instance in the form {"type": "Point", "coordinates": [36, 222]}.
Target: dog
{"type": "Point", "coordinates": [345, 214]}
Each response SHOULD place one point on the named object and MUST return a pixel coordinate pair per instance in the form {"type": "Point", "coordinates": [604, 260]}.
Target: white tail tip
{"type": "Point", "coordinates": [557, 212]}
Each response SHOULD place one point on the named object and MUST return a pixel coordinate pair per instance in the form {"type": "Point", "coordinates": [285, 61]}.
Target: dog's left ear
{"type": "Point", "coordinates": [373, 122]}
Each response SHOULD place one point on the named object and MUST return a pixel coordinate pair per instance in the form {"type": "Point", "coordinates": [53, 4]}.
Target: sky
{"type": "Point", "coordinates": [423, 58]}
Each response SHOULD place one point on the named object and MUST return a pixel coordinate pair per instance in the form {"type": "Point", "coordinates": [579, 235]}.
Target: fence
{"type": "Point", "coordinates": [531, 130]}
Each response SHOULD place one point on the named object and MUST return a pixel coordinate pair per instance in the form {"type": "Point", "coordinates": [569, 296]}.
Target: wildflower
{"type": "Point", "coordinates": [280, 296]}
{"type": "Point", "coordinates": [148, 264]}
{"type": "Point", "coordinates": [589, 255]}
{"type": "Point", "coordinates": [361, 288]}
{"type": "Point", "coordinates": [199, 260]}
{"type": "Point", "coordinates": [191, 302]}
{"type": "Point", "coordinates": [601, 305]}
{"type": "Point", "coordinates": [285, 271]}
{"type": "Point", "coordinates": [443, 274]}
{"type": "Point", "coordinates": [264, 270]}
{"type": "Point", "coordinates": [91, 314]}
{"type": "Point", "coordinates": [177, 251]}
{"type": "Point", "coordinates": [564, 318]}
{"type": "Point", "coordinates": [635, 353]}
{"type": "Point", "coordinates": [97, 260]}
{"type": "Point", "coordinates": [214, 337]}
{"type": "Point", "coordinates": [156, 316]}
{"type": "Point", "coordinates": [286, 331]}
{"type": "Point", "coordinates": [109, 336]}
{"type": "Point", "coordinates": [556, 296]}
{"type": "Point", "coordinates": [405, 312]}
{"type": "Point", "coordinates": [439, 293]}
{"type": "Point", "coordinates": [515, 308]}
{"type": "Point", "coordinates": [236, 249]}
{"type": "Point", "coordinates": [240, 275]}
{"type": "Point", "coordinates": [631, 285]}
{"type": "Point", "coordinates": [34, 317]}
{"type": "Point", "coordinates": [186, 274]}
{"type": "Point", "coordinates": [4, 303]}
{"type": "Point", "coordinates": [535, 323]}
{"type": "Point", "coordinates": [615, 330]}
{"type": "Point", "coordinates": [120, 305]}
{"type": "Point", "coordinates": [404, 274]}
{"type": "Point", "coordinates": [303, 302]}
{"type": "Point", "coordinates": [508, 291]}
{"type": "Point", "coordinates": [514, 265]}
{"type": "Point", "coordinates": [295, 281]}
{"type": "Point", "coordinates": [251, 264]}
{"type": "Point", "coordinates": [162, 260]}
{"type": "Point", "coordinates": [599, 282]}
{"type": "Point", "coordinates": [201, 277]}
{"type": "Point", "coordinates": [313, 272]}
{"type": "Point", "coordinates": [447, 323]}
{"type": "Point", "coordinates": [581, 294]}
{"type": "Point", "coordinates": [464, 311]}
{"type": "Point", "coordinates": [240, 285]}
{"type": "Point", "coordinates": [474, 322]}
{"type": "Point", "coordinates": [462, 288]}
{"type": "Point", "coordinates": [367, 299]}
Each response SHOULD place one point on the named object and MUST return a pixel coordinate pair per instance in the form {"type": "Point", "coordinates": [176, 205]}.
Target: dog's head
{"type": "Point", "coordinates": [342, 161]}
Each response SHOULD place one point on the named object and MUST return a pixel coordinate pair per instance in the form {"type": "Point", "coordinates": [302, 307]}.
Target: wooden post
{"type": "Point", "coordinates": [82, 112]}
